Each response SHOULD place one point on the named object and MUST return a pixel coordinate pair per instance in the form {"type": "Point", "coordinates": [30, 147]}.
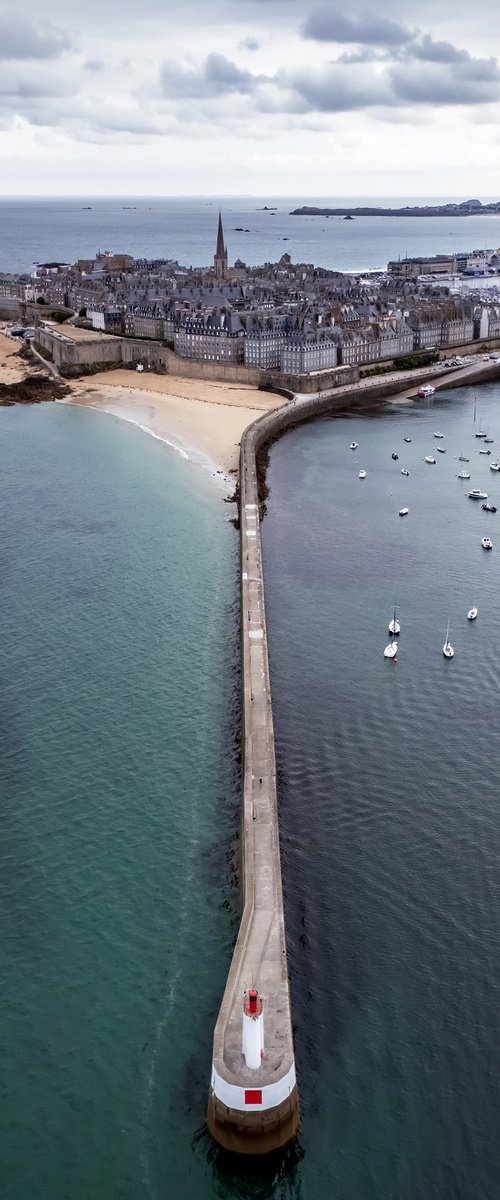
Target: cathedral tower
{"type": "Point", "coordinates": [220, 256]}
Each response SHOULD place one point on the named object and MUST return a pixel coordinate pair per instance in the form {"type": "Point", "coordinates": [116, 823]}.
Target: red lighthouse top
{"type": "Point", "coordinates": [252, 1005]}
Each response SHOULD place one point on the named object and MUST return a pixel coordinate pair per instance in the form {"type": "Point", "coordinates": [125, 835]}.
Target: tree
{"type": "Point", "coordinates": [40, 300]}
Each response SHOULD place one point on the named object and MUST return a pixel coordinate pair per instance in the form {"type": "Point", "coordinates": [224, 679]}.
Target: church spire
{"type": "Point", "coordinates": [221, 249]}
{"type": "Point", "coordinates": [220, 256]}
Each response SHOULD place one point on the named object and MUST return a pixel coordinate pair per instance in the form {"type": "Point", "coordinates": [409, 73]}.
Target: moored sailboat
{"type": "Point", "coordinates": [448, 650]}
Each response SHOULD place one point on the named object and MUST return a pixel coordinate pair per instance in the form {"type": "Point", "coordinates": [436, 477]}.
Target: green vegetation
{"type": "Point", "coordinates": [60, 315]}
{"type": "Point", "coordinates": [46, 354]}
{"type": "Point", "coordinates": [408, 361]}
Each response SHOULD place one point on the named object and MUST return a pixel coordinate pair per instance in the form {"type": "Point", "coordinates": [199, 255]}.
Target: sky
{"type": "Point", "coordinates": [250, 97]}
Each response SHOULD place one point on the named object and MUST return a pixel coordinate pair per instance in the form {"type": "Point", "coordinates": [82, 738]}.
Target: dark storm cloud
{"type": "Point", "coordinates": [217, 76]}
{"type": "Point", "coordinates": [326, 25]}
{"type": "Point", "coordinates": [20, 39]}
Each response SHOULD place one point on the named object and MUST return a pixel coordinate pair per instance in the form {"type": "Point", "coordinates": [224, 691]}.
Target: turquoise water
{"type": "Point", "coordinates": [119, 806]}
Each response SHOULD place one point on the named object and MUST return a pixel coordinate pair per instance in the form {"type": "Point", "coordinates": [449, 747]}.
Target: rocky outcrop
{"type": "Point", "coordinates": [32, 390]}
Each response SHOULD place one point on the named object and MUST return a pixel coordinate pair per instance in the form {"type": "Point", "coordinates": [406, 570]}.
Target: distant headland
{"type": "Point", "coordinates": [465, 209]}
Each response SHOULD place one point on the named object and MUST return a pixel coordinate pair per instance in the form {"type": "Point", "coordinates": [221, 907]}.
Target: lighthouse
{"type": "Point", "coordinates": [252, 1041]}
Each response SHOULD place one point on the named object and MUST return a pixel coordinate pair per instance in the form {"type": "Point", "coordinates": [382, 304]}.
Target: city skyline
{"type": "Point", "coordinates": [284, 99]}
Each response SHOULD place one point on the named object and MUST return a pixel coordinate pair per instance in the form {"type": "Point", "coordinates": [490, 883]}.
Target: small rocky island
{"type": "Point", "coordinates": [465, 209]}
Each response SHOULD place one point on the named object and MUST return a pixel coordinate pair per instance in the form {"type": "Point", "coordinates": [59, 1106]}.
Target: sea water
{"type": "Point", "coordinates": [185, 228]}
{"type": "Point", "coordinates": [119, 736]}
{"type": "Point", "coordinates": [119, 784]}
{"type": "Point", "coordinates": [388, 796]}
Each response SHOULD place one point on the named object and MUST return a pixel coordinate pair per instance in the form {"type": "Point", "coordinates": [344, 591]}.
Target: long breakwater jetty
{"type": "Point", "coordinates": [253, 1105]}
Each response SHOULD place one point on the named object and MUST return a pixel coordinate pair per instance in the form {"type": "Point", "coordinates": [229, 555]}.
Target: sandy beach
{"type": "Point", "coordinates": [12, 369]}
{"type": "Point", "coordinates": [203, 421]}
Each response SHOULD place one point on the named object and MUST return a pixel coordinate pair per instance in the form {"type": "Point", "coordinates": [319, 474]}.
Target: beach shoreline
{"type": "Point", "coordinates": [201, 421]}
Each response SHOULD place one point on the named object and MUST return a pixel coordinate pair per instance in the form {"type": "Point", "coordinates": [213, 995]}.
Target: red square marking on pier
{"type": "Point", "coordinates": [253, 1096]}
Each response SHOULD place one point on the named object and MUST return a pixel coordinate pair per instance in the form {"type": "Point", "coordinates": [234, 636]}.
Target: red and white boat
{"type": "Point", "coordinates": [425, 390]}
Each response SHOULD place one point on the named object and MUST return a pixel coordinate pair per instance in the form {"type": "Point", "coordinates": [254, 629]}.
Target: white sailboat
{"type": "Point", "coordinates": [472, 614]}
{"type": "Point", "coordinates": [448, 650]}
{"type": "Point", "coordinates": [394, 626]}
{"type": "Point", "coordinates": [391, 650]}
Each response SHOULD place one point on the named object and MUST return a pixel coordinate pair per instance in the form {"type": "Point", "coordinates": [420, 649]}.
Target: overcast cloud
{"type": "Point", "coordinates": [270, 97]}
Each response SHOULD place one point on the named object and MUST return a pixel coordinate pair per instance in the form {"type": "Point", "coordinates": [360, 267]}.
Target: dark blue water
{"type": "Point", "coordinates": [185, 229]}
{"type": "Point", "coordinates": [389, 801]}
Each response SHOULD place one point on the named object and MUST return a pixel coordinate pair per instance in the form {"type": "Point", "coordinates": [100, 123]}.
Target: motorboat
{"type": "Point", "coordinates": [407, 439]}
{"type": "Point", "coordinates": [487, 543]}
{"type": "Point", "coordinates": [403, 512]}
{"type": "Point", "coordinates": [448, 650]}
{"type": "Point", "coordinates": [394, 626]}
{"type": "Point", "coordinates": [472, 614]}
{"type": "Point", "coordinates": [463, 475]}
{"type": "Point", "coordinates": [362, 475]}
{"type": "Point", "coordinates": [394, 456]}
{"type": "Point", "coordinates": [438, 435]}
{"type": "Point", "coordinates": [489, 441]}
{"type": "Point", "coordinates": [495, 466]}
{"type": "Point", "coordinates": [353, 446]}
{"type": "Point", "coordinates": [475, 494]}
{"type": "Point", "coordinates": [485, 451]}
{"type": "Point", "coordinates": [440, 449]}
{"type": "Point", "coordinates": [391, 650]}
{"type": "Point", "coordinates": [488, 508]}
{"type": "Point", "coordinates": [404, 471]}
{"type": "Point", "coordinates": [425, 390]}
{"type": "Point", "coordinates": [429, 459]}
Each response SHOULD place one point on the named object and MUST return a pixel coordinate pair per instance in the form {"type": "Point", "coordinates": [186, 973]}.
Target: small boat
{"type": "Point", "coordinates": [472, 614]}
{"type": "Point", "coordinates": [407, 439]}
{"type": "Point", "coordinates": [362, 475]}
{"type": "Point", "coordinates": [448, 650]}
{"type": "Point", "coordinates": [489, 441]}
{"type": "Point", "coordinates": [391, 650]}
{"type": "Point", "coordinates": [438, 435]}
{"type": "Point", "coordinates": [425, 390]}
{"type": "Point", "coordinates": [485, 451]}
{"type": "Point", "coordinates": [480, 433]}
{"type": "Point", "coordinates": [495, 466]}
{"type": "Point", "coordinates": [353, 446]}
{"type": "Point", "coordinates": [403, 512]}
{"type": "Point", "coordinates": [487, 543]}
{"type": "Point", "coordinates": [404, 471]}
{"type": "Point", "coordinates": [394, 456]}
{"type": "Point", "coordinates": [394, 626]}
{"type": "Point", "coordinates": [488, 508]}
{"type": "Point", "coordinates": [440, 449]}
{"type": "Point", "coordinates": [428, 458]}
{"type": "Point", "coordinates": [475, 494]}
{"type": "Point", "coordinates": [463, 475]}
{"type": "Point", "coordinates": [462, 458]}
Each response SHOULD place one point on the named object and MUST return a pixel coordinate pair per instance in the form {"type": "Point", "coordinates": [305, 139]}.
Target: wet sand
{"type": "Point", "coordinates": [203, 421]}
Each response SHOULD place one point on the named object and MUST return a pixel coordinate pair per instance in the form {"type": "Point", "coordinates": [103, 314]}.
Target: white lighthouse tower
{"type": "Point", "coordinates": [253, 1029]}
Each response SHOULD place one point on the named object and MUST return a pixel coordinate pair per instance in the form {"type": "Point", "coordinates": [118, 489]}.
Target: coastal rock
{"type": "Point", "coordinates": [32, 390]}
